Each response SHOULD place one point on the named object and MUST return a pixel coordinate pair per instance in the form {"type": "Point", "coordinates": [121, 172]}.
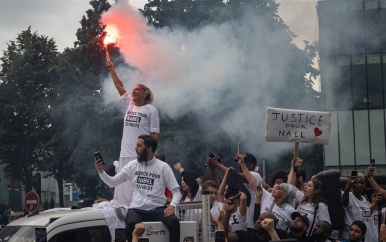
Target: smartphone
{"type": "Point", "coordinates": [354, 173]}
{"type": "Point", "coordinates": [372, 162]}
{"type": "Point", "coordinates": [98, 155]}
{"type": "Point", "coordinates": [40, 235]}
{"type": "Point", "coordinates": [219, 236]}
{"type": "Point", "coordinates": [120, 235]}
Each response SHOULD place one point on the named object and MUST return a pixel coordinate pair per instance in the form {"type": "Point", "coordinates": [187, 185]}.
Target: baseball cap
{"type": "Point", "coordinates": [303, 217]}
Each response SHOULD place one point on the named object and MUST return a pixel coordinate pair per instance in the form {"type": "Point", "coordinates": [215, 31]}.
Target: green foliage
{"type": "Point", "coordinates": [26, 85]}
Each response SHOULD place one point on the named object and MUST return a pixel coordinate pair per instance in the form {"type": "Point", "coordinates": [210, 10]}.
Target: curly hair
{"type": "Point", "coordinates": [278, 174]}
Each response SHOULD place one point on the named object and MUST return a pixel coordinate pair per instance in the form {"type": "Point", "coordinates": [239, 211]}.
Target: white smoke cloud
{"type": "Point", "coordinates": [191, 71]}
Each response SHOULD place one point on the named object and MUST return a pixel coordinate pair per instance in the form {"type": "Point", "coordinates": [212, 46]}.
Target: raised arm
{"type": "Point", "coordinates": [178, 167]}
{"type": "Point", "coordinates": [374, 184]}
{"type": "Point", "coordinates": [221, 189]}
{"type": "Point", "coordinates": [117, 82]}
{"type": "Point", "coordinates": [243, 204]}
{"type": "Point", "coordinates": [347, 189]}
{"type": "Point", "coordinates": [269, 225]}
{"type": "Point", "coordinates": [296, 162]}
{"type": "Point", "coordinates": [247, 174]}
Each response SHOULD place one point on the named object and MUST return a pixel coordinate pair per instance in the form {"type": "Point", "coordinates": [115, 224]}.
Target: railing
{"type": "Point", "coordinates": [199, 212]}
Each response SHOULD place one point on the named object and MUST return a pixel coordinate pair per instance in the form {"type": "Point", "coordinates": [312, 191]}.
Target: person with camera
{"type": "Point", "coordinates": [140, 118]}
{"type": "Point", "coordinates": [357, 207]}
{"type": "Point", "coordinates": [148, 177]}
{"type": "Point", "coordinates": [250, 162]}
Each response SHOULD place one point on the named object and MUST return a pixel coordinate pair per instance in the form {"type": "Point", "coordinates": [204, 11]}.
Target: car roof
{"type": "Point", "coordinates": [48, 217]}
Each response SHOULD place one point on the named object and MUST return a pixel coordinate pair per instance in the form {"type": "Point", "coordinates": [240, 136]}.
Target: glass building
{"type": "Point", "coordinates": [352, 49]}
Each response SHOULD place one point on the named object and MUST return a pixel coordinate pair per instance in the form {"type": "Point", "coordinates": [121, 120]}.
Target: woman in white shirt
{"type": "Point", "coordinates": [312, 202]}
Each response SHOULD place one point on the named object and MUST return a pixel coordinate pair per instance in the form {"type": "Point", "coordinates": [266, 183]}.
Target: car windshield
{"type": "Point", "coordinates": [17, 234]}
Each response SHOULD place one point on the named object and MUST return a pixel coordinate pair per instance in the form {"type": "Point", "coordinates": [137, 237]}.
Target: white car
{"type": "Point", "coordinates": [66, 225]}
{"type": "Point", "coordinates": [86, 225]}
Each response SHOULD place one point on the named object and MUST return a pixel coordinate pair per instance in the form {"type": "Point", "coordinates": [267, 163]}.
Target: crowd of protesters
{"type": "Point", "coordinates": [243, 206]}
{"type": "Point", "coordinates": [295, 208]}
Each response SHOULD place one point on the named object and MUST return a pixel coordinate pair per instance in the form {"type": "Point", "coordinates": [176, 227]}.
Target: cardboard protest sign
{"type": "Point", "coordinates": [290, 125]}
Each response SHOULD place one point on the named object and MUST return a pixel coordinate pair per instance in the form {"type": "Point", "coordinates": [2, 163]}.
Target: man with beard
{"type": "Point", "coordinates": [321, 232]}
{"type": "Point", "coordinates": [357, 231]}
{"type": "Point", "coordinates": [299, 226]}
{"type": "Point", "coordinates": [264, 230]}
{"type": "Point", "coordinates": [357, 207]}
{"type": "Point", "coordinates": [148, 177]}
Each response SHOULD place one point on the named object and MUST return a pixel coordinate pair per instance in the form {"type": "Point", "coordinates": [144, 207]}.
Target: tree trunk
{"type": "Point", "coordinates": [60, 188]}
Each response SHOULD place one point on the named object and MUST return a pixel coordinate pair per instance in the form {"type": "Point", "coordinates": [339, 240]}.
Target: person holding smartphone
{"type": "Point", "coordinates": [148, 177]}
{"type": "Point", "coordinates": [140, 118]}
{"type": "Point", "coordinates": [357, 207]}
{"type": "Point", "coordinates": [374, 184]}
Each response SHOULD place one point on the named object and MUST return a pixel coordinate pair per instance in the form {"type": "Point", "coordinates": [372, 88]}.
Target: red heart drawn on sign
{"type": "Point", "coordinates": [317, 132]}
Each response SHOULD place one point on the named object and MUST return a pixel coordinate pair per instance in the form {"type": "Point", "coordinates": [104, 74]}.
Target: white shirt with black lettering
{"type": "Point", "coordinates": [138, 120]}
{"type": "Point", "coordinates": [308, 209]}
{"type": "Point", "coordinates": [148, 180]}
{"type": "Point", "coordinates": [360, 210]}
{"type": "Point", "coordinates": [283, 212]}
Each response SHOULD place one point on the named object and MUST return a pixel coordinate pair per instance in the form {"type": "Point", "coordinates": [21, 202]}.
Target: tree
{"type": "Point", "coordinates": [26, 83]}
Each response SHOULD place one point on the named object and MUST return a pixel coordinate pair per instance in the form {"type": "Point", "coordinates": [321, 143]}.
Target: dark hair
{"type": "Point", "coordinates": [276, 175]}
{"type": "Point", "coordinates": [209, 183]}
{"type": "Point", "coordinates": [319, 196]}
{"type": "Point", "coordinates": [149, 141]}
{"type": "Point", "coordinates": [110, 169]}
{"type": "Point", "coordinates": [329, 227]}
{"type": "Point", "coordinates": [230, 192]}
{"type": "Point", "coordinates": [301, 172]}
{"type": "Point", "coordinates": [361, 225]}
{"type": "Point", "coordinates": [250, 158]}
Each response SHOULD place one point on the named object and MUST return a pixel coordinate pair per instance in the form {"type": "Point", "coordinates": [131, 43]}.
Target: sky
{"type": "Point", "coordinates": [59, 19]}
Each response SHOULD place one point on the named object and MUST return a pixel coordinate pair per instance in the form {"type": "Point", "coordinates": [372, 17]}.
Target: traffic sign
{"type": "Point", "coordinates": [31, 201]}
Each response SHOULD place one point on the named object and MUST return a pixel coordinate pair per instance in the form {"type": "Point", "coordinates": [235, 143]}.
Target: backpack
{"type": "Point", "coordinates": [331, 185]}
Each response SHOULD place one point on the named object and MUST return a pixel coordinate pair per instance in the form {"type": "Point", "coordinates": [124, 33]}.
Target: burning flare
{"type": "Point", "coordinates": [112, 37]}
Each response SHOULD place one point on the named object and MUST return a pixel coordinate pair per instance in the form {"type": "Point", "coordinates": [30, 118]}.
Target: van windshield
{"type": "Point", "coordinates": [17, 234]}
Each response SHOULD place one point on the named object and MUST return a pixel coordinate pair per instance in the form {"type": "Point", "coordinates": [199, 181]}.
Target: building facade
{"type": "Point", "coordinates": [352, 50]}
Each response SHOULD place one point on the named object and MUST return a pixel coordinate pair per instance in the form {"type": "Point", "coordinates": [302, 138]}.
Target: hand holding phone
{"type": "Point", "coordinates": [98, 156]}
{"type": "Point", "coordinates": [372, 162]}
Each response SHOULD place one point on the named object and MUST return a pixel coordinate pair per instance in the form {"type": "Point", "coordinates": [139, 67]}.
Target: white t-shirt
{"type": "Point", "coordinates": [308, 209]}
{"type": "Point", "coordinates": [148, 181]}
{"type": "Point", "coordinates": [138, 120]}
{"type": "Point", "coordinates": [123, 193]}
{"type": "Point", "coordinates": [251, 207]}
{"type": "Point", "coordinates": [237, 221]}
{"type": "Point", "coordinates": [360, 210]}
{"type": "Point", "coordinates": [283, 212]}
{"type": "Point", "coordinates": [214, 211]}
